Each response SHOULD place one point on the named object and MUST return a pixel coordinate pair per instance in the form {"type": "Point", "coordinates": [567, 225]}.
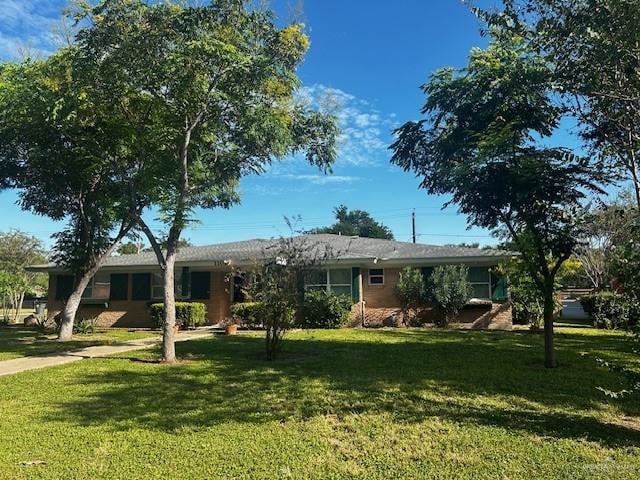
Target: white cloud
{"type": "Point", "coordinates": [365, 132]}
{"type": "Point", "coordinates": [323, 179]}
{"type": "Point", "coordinates": [27, 25]}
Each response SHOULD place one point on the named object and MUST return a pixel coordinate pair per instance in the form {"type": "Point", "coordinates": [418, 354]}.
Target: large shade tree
{"type": "Point", "coordinates": [593, 47]}
{"type": "Point", "coordinates": [481, 144]}
{"type": "Point", "coordinates": [355, 222]}
{"type": "Point", "coordinates": [218, 84]}
{"type": "Point", "coordinates": [67, 151]}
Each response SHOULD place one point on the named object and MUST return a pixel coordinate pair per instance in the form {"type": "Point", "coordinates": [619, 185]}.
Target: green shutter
{"type": "Point", "coordinates": [119, 286]}
{"type": "Point", "coordinates": [200, 285]}
{"type": "Point", "coordinates": [64, 286]}
{"type": "Point", "coordinates": [141, 286]}
{"type": "Point", "coordinates": [499, 287]}
{"type": "Point", "coordinates": [355, 284]}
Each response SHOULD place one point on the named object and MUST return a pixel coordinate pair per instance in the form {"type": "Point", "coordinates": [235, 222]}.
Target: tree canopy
{"type": "Point", "coordinates": [480, 144]}
{"type": "Point", "coordinates": [355, 223]}
{"type": "Point", "coordinates": [209, 91]}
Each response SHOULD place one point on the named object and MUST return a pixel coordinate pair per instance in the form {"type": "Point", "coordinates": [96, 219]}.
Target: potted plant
{"type": "Point", "coordinates": [231, 327]}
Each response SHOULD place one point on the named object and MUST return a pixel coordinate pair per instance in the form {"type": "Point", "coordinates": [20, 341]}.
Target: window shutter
{"type": "Point", "coordinates": [355, 284]}
{"type": "Point", "coordinates": [141, 286]}
{"type": "Point", "coordinates": [64, 286]}
{"type": "Point", "coordinates": [200, 285]}
{"type": "Point", "coordinates": [119, 286]}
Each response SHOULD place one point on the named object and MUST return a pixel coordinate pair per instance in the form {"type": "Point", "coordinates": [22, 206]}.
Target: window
{"type": "Point", "coordinates": [336, 280]}
{"type": "Point", "coordinates": [141, 286]}
{"type": "Point", "coordinates": [64, 286]}
{"type": "Point", "coordinates": [200, 285]}
{"type": "Point", "coordinates": [119, 286]}
{"type": "Point", "coordinates": [376, 276]}
{"type": "Point", "coordinates": [480, 279]}
{"type": "Point", "coordinates": [98, 287]}
{"type": "Point", "coordinates": [157, 285]}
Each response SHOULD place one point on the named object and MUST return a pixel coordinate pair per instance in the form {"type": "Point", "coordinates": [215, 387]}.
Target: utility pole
{"type": "Point", "coordinates": [413, 224]}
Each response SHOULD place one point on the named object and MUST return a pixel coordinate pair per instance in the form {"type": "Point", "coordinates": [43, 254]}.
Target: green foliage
{"type": "Point", "coordinates": [411, 289]}
{"type": "Point", "coordinates": [188, 314]}
{"type": "Point", "coordinates": [355, 223]}
{"type": "Point", "coordinates": [86, 326]}
{"type": "Point", "coordinates": [322, 309]}
{"type": "Point", "coordinates": [278, 285]}
{"type": "Point", "coordinates": [18, 251]}
{"type": "Point", "coordinates": [450, 290]}
{"type": "Point", "coordinates": [609, 310]}
{"type": "Point", "coordinates": [247, 314]}
{"type": "Point", "coordinates": [593, 49]}
{"type": "Point", "coordinates": [483, 143]}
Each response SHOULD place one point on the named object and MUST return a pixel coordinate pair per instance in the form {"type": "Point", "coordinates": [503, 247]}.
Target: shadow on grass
{"type": "Point", "coordinates": [468, 377]}
{"type": "Point", "coordinates": [20, 342]}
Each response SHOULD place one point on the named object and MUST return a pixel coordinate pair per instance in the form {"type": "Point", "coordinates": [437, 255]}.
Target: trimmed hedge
{"type": "Point", "coordinates": [188, 314]}
{"type": "Point", "coordinates": [324, 309]}
{"type": "Point", "coordinates": [247, 314]}
{"type": "Point", "coordinates": [609, 310]}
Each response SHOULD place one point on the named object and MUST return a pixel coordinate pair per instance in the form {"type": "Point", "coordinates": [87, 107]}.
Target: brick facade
{"type": "Point", "coordinates": [380, 306]}
{"type": "Point", "coordinates": [135, 313]}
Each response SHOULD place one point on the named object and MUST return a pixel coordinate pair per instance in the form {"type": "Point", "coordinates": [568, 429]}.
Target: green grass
{"type": "Point", "coordinates": [18, 342]}
{"type": "Point", "coordinates": [348, 404]}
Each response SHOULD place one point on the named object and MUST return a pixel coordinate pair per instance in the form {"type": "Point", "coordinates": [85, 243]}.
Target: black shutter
{"type": "Point", "coordinates": [119, 286]}
{"type": "Point", "coordinates": [200, 285]}
{"type": "Point", "coordinates": [64, 286]}
{"type": "Point", "coordinates": [141, 286]}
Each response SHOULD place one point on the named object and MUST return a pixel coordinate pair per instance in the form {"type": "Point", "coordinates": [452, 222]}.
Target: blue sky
{"type": "Point", "coordinates": [373, 56]}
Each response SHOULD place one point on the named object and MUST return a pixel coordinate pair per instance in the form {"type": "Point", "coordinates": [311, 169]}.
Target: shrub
{"type": "Point", "coordinates": [608, 310]}
{"type": "Point", "coordinates": [450, 289]}
{"type": "Point", "coordinates": [322, 309]}
{"type": "Point", "coordinates": [247, 314]}
{"type": "Point", "coordinates": [86, 326]}
{"type": "Point", "coordinates": [412, 292]}
{"type": "Point", "coordinates": [188, 314]}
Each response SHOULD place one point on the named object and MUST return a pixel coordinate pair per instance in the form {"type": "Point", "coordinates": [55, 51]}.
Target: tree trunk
{"type": "Point", "coordinates": [72, 305]}
{"type": "Point", "coordinates": [73, 302]}
{"type": "Point", "coordinates": [168, 331]}
{"type": "Point", "coordinates": [549, 307]}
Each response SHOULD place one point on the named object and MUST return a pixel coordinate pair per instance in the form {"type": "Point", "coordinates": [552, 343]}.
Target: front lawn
{"type": "Point", "coordinates": [24, 342]}
{"type": "Point", "coordinates": [338, 404]}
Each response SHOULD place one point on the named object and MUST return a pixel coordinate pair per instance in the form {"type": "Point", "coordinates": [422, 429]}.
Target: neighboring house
{"type": "Point", "coordinates": [365, 268]}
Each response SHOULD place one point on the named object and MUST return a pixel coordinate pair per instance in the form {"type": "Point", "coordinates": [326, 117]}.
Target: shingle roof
{"type": "Point", "coordinates": [342, 248]}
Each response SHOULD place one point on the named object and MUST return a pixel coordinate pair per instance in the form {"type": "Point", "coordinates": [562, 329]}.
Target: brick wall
{"type": "Point", "coordinates": [135, 313]}
{"type": "Point", "coordinates": [381, 296]}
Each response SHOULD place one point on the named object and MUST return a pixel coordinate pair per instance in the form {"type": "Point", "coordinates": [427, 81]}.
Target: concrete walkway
{"type": "Point", "coordinates": [16, 365]}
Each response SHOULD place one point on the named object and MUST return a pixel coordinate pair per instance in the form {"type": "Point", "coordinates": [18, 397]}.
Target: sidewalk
{"type": "Point", "coordinates": [16, 365]}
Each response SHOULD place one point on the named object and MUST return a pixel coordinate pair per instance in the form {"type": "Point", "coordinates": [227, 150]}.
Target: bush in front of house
{"type": "Point", "coordinates": [608, 310]}
{"type": "Point", "coordinates": [411, 289]}
{"type": "Point", "coordinates": [322, 309]}
{"type": "Point", "coordinates": [450, 291]}
{"type": "Point", "coordinates": [188, 314]}
{"type": "Point", "coordinates": [247, 314]}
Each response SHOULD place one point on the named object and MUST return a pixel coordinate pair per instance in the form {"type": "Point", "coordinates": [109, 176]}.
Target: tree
{"type": "Point", "coordinates": [355, 223]}
{"type": "Point", "coordinates": [412, 292]}
{"type": "Point", "coordinates": [130, 248]}
{"type": "Point", "coordinates": [481, 144]}
{"type": "Point", "coordinates": [17, 251]}
{"type": "Point", "coordinates": [593, 48]}
{"type": "Point", "coordinates": [450, 291]}
{"type": "Point", "coordinates": [278, 286]}
{"type": "Point", "coordinates": [217, 85]}
{"type": "Point", "coordinates": [64, 146]}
